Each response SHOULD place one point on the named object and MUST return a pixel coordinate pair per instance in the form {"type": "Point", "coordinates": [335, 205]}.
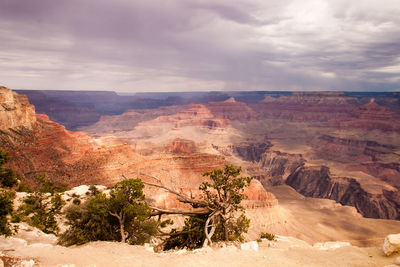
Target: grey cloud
{"type": "Point", "coordinates": [221, 44]}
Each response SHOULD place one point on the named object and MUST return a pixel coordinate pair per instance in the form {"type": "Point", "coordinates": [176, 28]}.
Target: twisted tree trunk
{"type": "Point", "coordinates": [121, 220]}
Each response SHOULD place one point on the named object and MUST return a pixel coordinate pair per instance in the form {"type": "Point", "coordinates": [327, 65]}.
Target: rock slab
{"type": "Point", "coordinates": [391, 244]}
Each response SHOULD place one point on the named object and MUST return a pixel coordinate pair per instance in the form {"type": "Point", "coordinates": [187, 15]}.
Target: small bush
{"type": "Point", "coordinates": [8, 178]}
{"type": "Point", "coordinates": [40, 210]}
{"type": "Point", "coordinates": [24, 187]}
{"type": "Point", "coordinates": [268, 236]}
{"type": "Point", "coordinates": [6, 209]}
{"type": "Point", "coordinates": [76, 201]}
{"type": "Point", "coordinates": [122, 216]}
{"type": "Point", "coordinates": [48, 186]}
{"type": "Point", "coordinates": [192, 235]}
{"type": "Point", "coordinates": [93, 190]}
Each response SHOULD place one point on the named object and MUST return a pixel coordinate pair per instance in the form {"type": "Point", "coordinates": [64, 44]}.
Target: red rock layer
{"type": "Point", "coordinates": [372, 116]}
{"type": "Point", "coordinates": [306, 107]}
{"type": "Point", "coordinates": [231, 110]}
{"type": "Point", "coordinates": [195, 115]}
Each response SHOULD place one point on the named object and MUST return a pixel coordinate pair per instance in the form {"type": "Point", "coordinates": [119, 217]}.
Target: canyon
{"type": "Point", "coordinates": [344, 147]}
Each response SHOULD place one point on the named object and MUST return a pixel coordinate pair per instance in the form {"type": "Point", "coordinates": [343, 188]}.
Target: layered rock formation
{"type": "Point", "coordinates": [194, 115]}
{"type": "Point", "coordinates": [306, 107]}
{"type": "Point", "coordinates": [232, 110]}
{"type": "Point", "coordinates": [373, 116]}
{"type": "Point", "coordinates": [319, 182]}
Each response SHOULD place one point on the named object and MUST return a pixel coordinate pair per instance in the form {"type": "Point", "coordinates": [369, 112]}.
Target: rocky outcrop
{"type": "Point", "coordinates": [232, 110]}
{"type": "Point", "coordinates": [318, 182]}
{"type": "Point", "coordinates": [258, 197]}
{"type": "Point", "coordinates": [65, 157]}
{"type": "Point", "coordinates": [181, 146]}
{"type": "Point", "coordinates": [195, 115]}
{"type": "Point", "coordinates": [15, 110]}
{"type": "Point", "coordinates": [277, 166]}
{"type": "Point", "coordinates": [387, 172]}
{"type": "Point", "coordinates": [251, 152]}
{"type": "Point", "coordinates": [372, 117]}
{"type": "Point", "coordinates": [373, 111]}
{"type": "Point", "coordinates": [349, 150]}
{"type": "Point", "coordinates": [270, 167]}
{"type": "Point", "coordinates": [391, 244]}
{"type": "Point", "coordinates": [306, 107]}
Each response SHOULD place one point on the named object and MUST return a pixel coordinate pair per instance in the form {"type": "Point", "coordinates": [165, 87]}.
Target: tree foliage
{"type": "Point", "coordinates": [41, 207]}
{"type": "Point", "coordinates": [6, 209]}
{"type": "Point", "coordinates": [8, 178]}
{"type": "Point", "coordinates": [224, 193]}
{"type": "Point", "coordinates": [217, 216]}
{"type": "Point", "coordinates": [122, 216]}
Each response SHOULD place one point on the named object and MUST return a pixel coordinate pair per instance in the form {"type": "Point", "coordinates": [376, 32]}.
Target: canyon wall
{"type": "Point", "coordinates": [319, 182]}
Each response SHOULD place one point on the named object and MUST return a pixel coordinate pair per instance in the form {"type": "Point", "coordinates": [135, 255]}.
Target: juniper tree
{"type": "Point", "coordinates": [214, 216]}
{"type": "Point", "coordinates": [123, 216]}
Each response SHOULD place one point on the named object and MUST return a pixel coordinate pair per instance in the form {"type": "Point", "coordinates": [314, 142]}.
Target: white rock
{"type": "Point", "coordinates": [151, 249]}
{"type": "Point", "coordinates": [397, 261]}
{"type": "Point", "coordinates": [1, 263]}
{"type": "Point", "coordinates": [391, 244]}
{"type": "Point", "coordinates": [79, 190]}
{"type": "Point", "coordinates": [331, 245]}
{"type": "Point", "coordinates": [29, 263]}
{"type": "Point", "coordinates": [249, 246]}
{"type": "Point", "coordinates": [69, 265]}
{"type": "Point", "coordinates": [180, 252]}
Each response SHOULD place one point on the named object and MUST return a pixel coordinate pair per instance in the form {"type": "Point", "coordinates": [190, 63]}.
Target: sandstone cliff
{"type": "Point", "coordinates": [15, 110]}
{"type": "Point", "coordinates": [318, 182]}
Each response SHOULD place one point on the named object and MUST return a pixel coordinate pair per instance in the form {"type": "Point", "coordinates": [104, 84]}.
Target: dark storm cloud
{"type": "Point", "coordinates": [200, 45]}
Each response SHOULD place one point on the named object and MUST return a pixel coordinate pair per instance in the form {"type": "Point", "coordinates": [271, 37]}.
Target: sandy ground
{"type": "Point", "coordinates": [285, 252]}
{"type": "Point", "coordinates": [319, 220]}
{"type": "Point", "coordinates": [308, 220]}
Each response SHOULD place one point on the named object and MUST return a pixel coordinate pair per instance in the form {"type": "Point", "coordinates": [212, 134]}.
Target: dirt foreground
{"type": "Point", "coordinates": [285, 251]}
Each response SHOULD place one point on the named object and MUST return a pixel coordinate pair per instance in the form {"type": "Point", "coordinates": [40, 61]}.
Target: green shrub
{"type": "Point", "coordinates": [47, 186]}
{"type": "Point", "coordinates": [6, 209]}
{"type": "Point", "coordinates": [268, 236]}
{"type": "Point", "coordinates": [223, 192]}
{"type": "Point", "coordinates": [40, 210]}
{"type": "Point", "coordinates": [8, 178]}
{"type": "Point", "coordinates": [24, 187]}
{"type": "Point", "coordinates": [76, 201]}
{"type": "Point", "coordinates": [123, 216]}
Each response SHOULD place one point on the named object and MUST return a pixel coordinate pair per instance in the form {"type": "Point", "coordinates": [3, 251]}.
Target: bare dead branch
{"type": "Point", "coordinates": [194, 211]}
{"type": "Point", "coordinates": [181, 197]}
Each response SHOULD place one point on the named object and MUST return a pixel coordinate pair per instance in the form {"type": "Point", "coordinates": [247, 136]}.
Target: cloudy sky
{"type": "Point", "coordinates": [200, 45]}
